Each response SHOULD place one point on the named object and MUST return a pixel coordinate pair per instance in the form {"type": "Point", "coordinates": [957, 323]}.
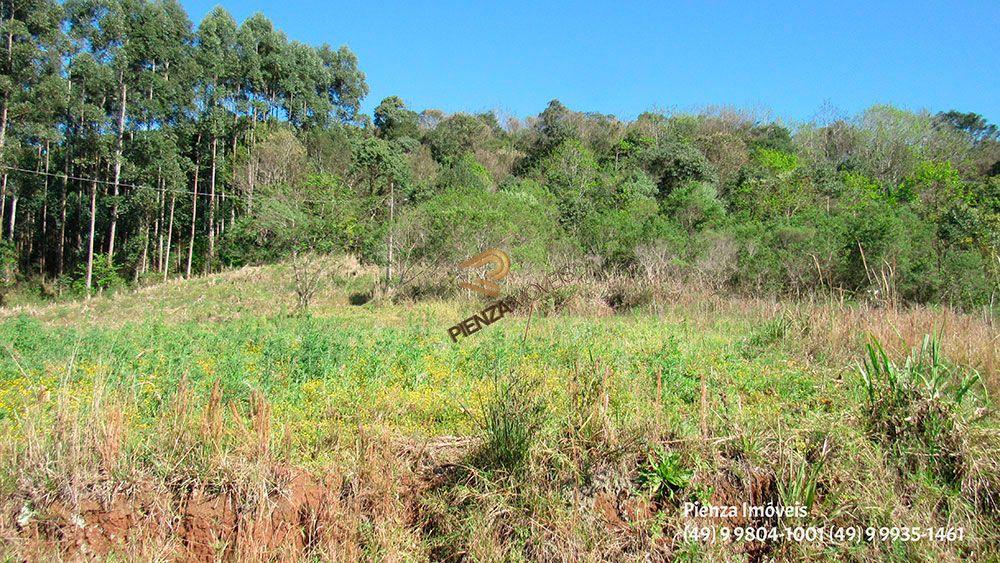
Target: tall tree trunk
{"type": "Point", "coordinates": [170, 232]}
{"type": "Point", "coordinates": [251, 167]}
{"type": "Point", "coordinates": [43, 247]}
{"type": "Point", "coordinates": [118, 167]}
{"type": "Point", "coordinates": [144, 262]}
{"type": "Point", "coordinates": [62, 222]}
{"type": "Point", "coordinates": [392, 229]}
{"type": "Point", "coordinates": [194, 211]}
{"type": "Point", "coordinates": [6, 96]}
{"type": "Point", "coordinates": [90, 243]}
{"type": "Point", "coordinates": [27, 242]}
{"type": "Point", "coordinates": [211, 208]}
{"type": "Point", "coordinates": [3, 113]}
{"type": "Point", "coordinates": [161, 200]}
{"type": "Point", "coordinates": [3, 201]}
{"type": "Point", "coordinates": [13, 215]}
{"type": "Point", "coordinates": [79, 219]}
{"type": "Point", "coordinates": [3, 119]}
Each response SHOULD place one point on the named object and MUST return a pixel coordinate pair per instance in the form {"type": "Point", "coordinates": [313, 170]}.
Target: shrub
{"type": "Point", "coordinates": [917, 409]}
{"type": "Point", "coordinates": [459, 223]}
{"type": "Point", "coordinates": [664, 474]}
{"type": "Point", "coordinates": [468, 173]}
{"type": "Point", "coordinates": [695, 205]}
{"type": "Point", "coordinates": [105, 276]}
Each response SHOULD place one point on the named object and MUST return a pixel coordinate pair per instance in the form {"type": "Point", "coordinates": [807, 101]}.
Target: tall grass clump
{"type": "Point", "coordinates": [764, 336]}
{"type": "Point", "coordinates": [509, 423]}
{"type": "Point", "coordinates": [919, 409]}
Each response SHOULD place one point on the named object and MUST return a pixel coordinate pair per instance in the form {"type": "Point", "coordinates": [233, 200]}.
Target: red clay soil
{"type": "Point", "coordinates": [202, 527]}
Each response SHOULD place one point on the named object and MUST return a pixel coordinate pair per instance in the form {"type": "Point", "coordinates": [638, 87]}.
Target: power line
{"type": "Point", "coordinates": [127, 185]}
{"type": "Point", "coordinates": [94, 180]}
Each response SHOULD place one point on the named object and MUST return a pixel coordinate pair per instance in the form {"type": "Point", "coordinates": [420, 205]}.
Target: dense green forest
{"type": "Point", "coordinates": [136, 146]}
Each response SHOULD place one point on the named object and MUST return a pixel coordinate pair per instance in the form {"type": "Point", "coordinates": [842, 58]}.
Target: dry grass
{"type": "Point", "coordinates": [213, 475]}
{"type": "Point", "coordinates": [211, 484]}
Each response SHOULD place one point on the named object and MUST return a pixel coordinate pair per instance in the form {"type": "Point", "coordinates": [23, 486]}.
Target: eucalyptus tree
{"type": "Point", "coordinates": [30, 30]}
{"type": "Point", "coordinates": [379, 169]}
{"type": "Point", "coordinates": [216, 57]}
{"type": "Point", "coordinates": [259, 50]}
{"type": "Point", "coordinates": [88, 86]}
{"type": "Point", "coordinates": [345, 83]}
{"type": "Point", "coordinates": [105, 27]}
{"type": "Point", "coordinates": [393, 120]}
{"type": "Point", "coordinates": [166, 98]}
{"type": "Point", "coordinates": [41, 134]}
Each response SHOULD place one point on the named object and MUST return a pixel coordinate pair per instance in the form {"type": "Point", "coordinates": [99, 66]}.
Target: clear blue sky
{"type": "Point", "coordinates": [790, 58]}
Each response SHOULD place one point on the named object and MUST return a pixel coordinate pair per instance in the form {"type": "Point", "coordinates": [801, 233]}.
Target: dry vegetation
{"type": "Point", "coordinates": [204, 421]}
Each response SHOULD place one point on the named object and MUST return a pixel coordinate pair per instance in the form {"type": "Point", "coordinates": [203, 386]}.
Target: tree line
{"type": "Point", "coordinates": [137, 146]}
{"type": "Point", "coordinates": [118, 116]}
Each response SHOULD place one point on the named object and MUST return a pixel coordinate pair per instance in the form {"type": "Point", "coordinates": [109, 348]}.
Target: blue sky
{"type": "Point", "coordinates": [791, 59]}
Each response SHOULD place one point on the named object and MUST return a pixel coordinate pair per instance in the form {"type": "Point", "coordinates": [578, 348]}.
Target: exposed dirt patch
{"type": "Point", "coordinates": [741, 485]}
{"type": "Point", "coordinates": [205, 527]}
{"type": "Point", "coordinates": [286, 514]}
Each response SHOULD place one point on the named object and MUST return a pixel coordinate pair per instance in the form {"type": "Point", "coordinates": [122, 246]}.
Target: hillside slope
{"type": "Point", "coordinates": [363, 431]}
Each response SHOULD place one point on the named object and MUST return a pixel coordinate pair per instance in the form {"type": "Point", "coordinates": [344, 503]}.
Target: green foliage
{"type": "Point", "coordinates": [764, 337]}
{"type": "Point", "coordinates": [509, 422]}
{"type": "Point", "coordinates": [974, 125]}
{"type": "Point", "coordinates": [916, 410]}
{"type": "Point", "coordinates": [459, 134]}
{"type": "Point", "coordinates": [799, 481]}
{"type": "Point", "coordinates": [938, 184]}
{"type": "Point", "coordinates": [8, 263]}
{"type": "Point", "coordinates": [673, 163]}
{"type": "Point", "coordinates": [461, 222]}
{"type": "Point", "coordinates": [858, 187]}
{"type": "Point", "coordinates": [394, 121]}
{"type": "Point", "coordinates": [695, 206]}
{"type": "Point", "coordinates": [890, 205]}
{"type": "Point", "coordinates": [572, 174]}
{"type": "Point", "coordinates": [105, 276]}
{"type": "Point", "coordinates": [466, 173]}
{"type": "Point", "coordinates": [664, 474]}
{"type": "Point", "coordinates": [775, 160]}
{"type": "Point", "coordinates": [8, 268]}
{"type": "Point", "coordinates": [319, 215]}
{"type": "Point", "coordinates": [772, 137]}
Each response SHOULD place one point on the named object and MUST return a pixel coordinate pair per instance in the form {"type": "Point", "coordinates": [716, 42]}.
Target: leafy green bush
{"type": "Point", "coordinates": [694, 206]}
{"type": "Point", "coordinates": [467, 173]}
{"type": "Point", "coordinates": [664, 474]}
{"type": "Point", "coordinates": [105, 276]}
{"type": "Point", "coordinates": [917, 410]}
{"type": "Point", "coordinates": [461, 222]}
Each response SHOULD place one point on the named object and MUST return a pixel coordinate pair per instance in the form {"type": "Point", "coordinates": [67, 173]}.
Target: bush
{"type": "Point", "coordinates": [466, 172]}
{"type": "Point", "coordinates": [105, 276]}
{"type": "Point", "coordinates": [461, 222]}
{"type": "Point", "coordinates": [694, 206]}
{"type": "Point", "coordinates": [664, 474]}
{"type": "Point", "coordinates": [917, 410]}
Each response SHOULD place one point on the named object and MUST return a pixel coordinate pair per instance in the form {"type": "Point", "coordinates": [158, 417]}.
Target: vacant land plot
{"type": "Point", "coordinates": [201, 419]}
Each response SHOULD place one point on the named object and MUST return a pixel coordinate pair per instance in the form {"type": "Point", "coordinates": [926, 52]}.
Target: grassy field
{"type": "Point", "coordinates": [204, 419]}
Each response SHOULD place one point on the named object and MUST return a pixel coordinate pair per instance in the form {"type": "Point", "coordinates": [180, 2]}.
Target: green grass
{"type": "Point", "coordinates": [637, 405]}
